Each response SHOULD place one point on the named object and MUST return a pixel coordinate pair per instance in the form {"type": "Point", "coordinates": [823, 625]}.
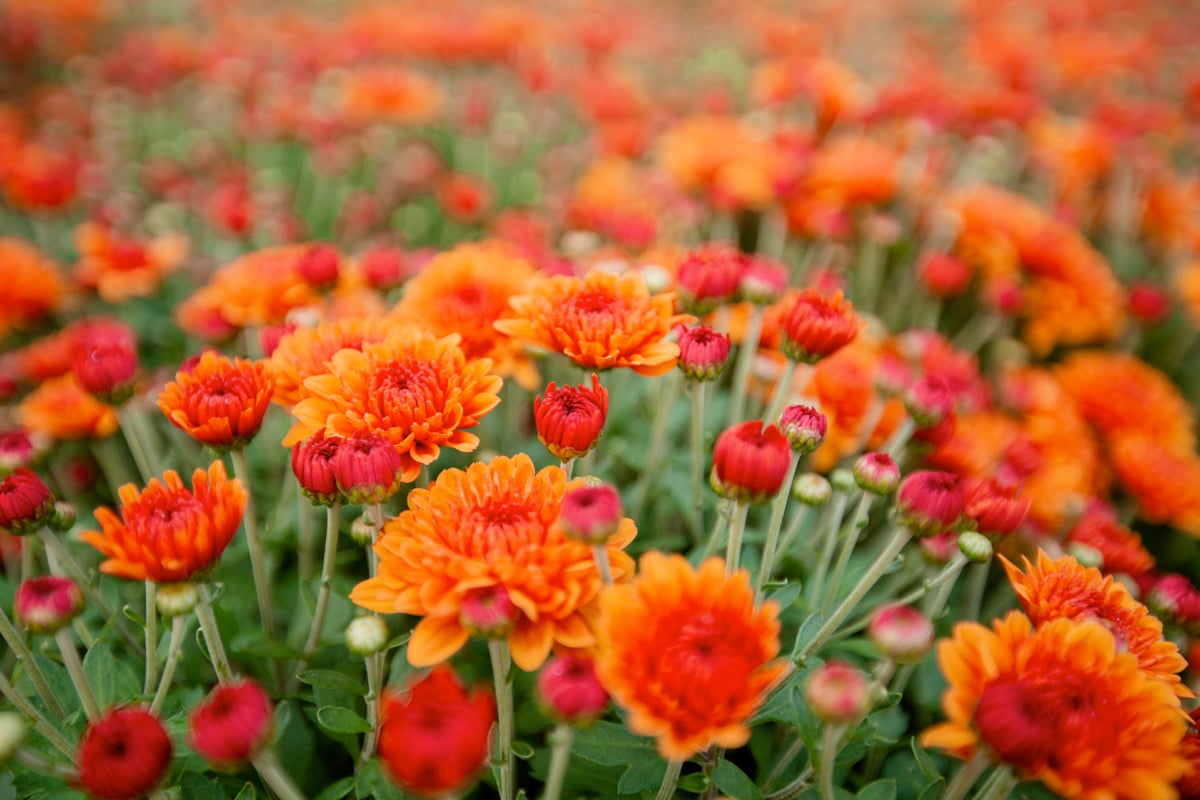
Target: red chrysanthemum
{"type": "Point", "coordinates": [219, 402]}
{"type": "Point", "coordinates": [123, 755]}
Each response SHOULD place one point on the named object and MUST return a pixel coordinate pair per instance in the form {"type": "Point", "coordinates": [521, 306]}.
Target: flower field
{"type": "Point", "coordinates": [599, 399]}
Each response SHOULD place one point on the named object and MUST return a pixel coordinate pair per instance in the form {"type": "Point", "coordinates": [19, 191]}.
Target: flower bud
{"type": "Point", "coordinates": [815, 326]}
{"type": "Point", "coordinates": [63, 517]}
{"type": "Point", "coordinates": [123, 754]}
{"type": "Point", "coordinates": [570, 419]}
{"type": "Point", "coordinates": [590, 514]}
{"type": "Point", "coordinates": [176, 599]}
{"type": "Point", "coordinates": [1085, 554]}
{"type": "Point", "coordinates": [943, 275]}
{"type": "Point", "coordinates": [488, 612]}
{"type": "Point", "coordinates": [876, 473]}
{"type": "Point", "coordinates": [995, 510]}
{"type": "Point", "coordinates": [812, 489]}
{"type": "Point", "coordinates": [702, 352]}
{"type": "Point", "coordinates": [939, 548]}
{"type": "Point", "coordinates": [763, 281]}
{"type": "Point", "coordinates": [929, 502]}
{"type": "Point", "coordinates": [232, 725]}
{"type": "Point", "coordinates": [47, 603]}
{"type": "Point", "coordinates": [903, 633]}
{"type": "Point", "coordinates": [312, 464]}
{"type": "Point", "coordinates": [837, 692]}
{"type": "Point", "coordinates": [367, 469]}
{"type": "Point", "coordinates": [318, 265]}
{"type": "Point", "coordinates": [12, 735]}
{"type": "Point", "coordinates": [569, 691]}
{"type": "Point", "coordinates": [750, 462]}
{"type": "Point", "coordinates": [708, 277]}
{"type": "Point", "coordinates": [366, 635]}
{"type": "Point", "coordinates": [1173, 598]}
{"type": "Point", "coordinates": [25, 502]}
{"type": "Point", "coordinates": [804, 427]}
{"type": "Point", "coordinates": [929, 401]}
{"type": "Point", "coordinates": [365, 528]}
{"type": "Point", "coordinates": [16, 449]}
{"type": "Point", "coordinates": [975, 546]}
{"type": "Point", "coordinates": [104, 361]}
{"type": "Point", "coordinates": [842, 479]}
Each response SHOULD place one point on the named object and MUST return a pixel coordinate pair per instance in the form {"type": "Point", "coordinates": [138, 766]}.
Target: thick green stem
{"type": "Point", "coordinates": [828, 539]}
{"type": "Point", "coordinates": [999, 786]}
{"type": "Point", "coordinates": [747, 351]}
{"type": "Point", "coordinates": [36, 718]}
{"type": "Point", "coordinates": [174, 655]}
{"type": "Point", "coordinates": [151, 637]}
{"type": "Point", "coordinates": [966, 776]}
{"type": "Point", "coordinates": [33, 761]}
{"type": "Point", "coordinates": [16, 642]}
{"type": "Point", "coordinates": [880, 565]}
{"type": "Point", "coordinates": [333, 515]}
{"type": "Point", "coordinates": [560, 756]}
{"type": "Point", "coordinates": [783, 390]}
{"type": "Point", "coordinates": [258, 562]}
{"type": "Point", "coordinates": [501, 665]}
{"type": "Point", "coordinates": [600, 554]}
{"type": "Point", "coordinates": [830, 738]}
{"type": "Point", "coordinates": [274, 776]}
{"type": "Point", "coordinates": [977, 577]}
{"type": "Point", "coordinates": [374, 691]}
{"type": "Point", "coordinates": [699, 458]}
{"type": "Point", "coordinates": [896, 443]}
{"type": "Point", "coordinates": [794, 749]}
{"type": "Point", "coordinates": [70, 656]}
{"type": "Point", "coordinates": [724, 512]}
{"type": "Point", "coordinates": [304, 526]}
{"type": "Point", "coordinates": [668, 394]}
{"type": "Point", "coordinates": [737, 526]}
{"type": "Point", "coordinates": [133, 439]}
{"type": "Point", "coordinates": [795, 788]}
{"type": "Point", "coordinates": [212, 637]}
{"type": "Point", "coordinates": [778, 507]}
{"type": "Point", "coordinates": [666, 791]}
{"type": "Point", "coordinates": [857, 521]}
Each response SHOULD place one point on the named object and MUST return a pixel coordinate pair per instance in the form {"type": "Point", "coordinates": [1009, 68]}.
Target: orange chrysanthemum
{"type": "Point", "coordinates": [417, 391]}
{"type": "Point", "coordinates": [1063, 705]}
{"type": "Point", "coordinates": [391, 94]}
{"type": "Point", "coordinates": [306, 352]}
{"type": "Point", "coordinates": [600, 320]}
{"type": "Point", "coordinates": [492, 526]}
{"type": "Point", "coordinates": [32, 284]}
{"type": "Point", "coordinates": [219, 402]}
{"type": "Point", "coordinates": [1119, 547]}
{"type": "Point", "coordinates": [61, 409]}
{"type": "Point", "coordinates": [1164, 480]}
{"type": "Point", "coordinates": [259, 288]}
{"type": "Point", "coordinates": [728, 159]}
{"type": "Point", "coordinates": [1065, 589]}
{"type": "Point", "coordinates": [464, 291]}
{"type": "Point", "coordinates": [687, 654]}
{"type": "Point", "coordinates": [166, 533]}
{"type": "Point", "coordinates": [119, 268]}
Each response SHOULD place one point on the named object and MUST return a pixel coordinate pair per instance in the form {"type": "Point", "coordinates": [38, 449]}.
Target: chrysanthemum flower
{"type": "Point", "coordinates": [219, 402]}
{"type": "Point", "coordinates": [231, 725]}
{"type": "Point", "coordinates": [600, 321]}
{"type": "Point", "coordinates": [1064, 589]}
{"type": "Point", "coordinates": [419, 392]}
{"type": "Point", "coordinates": [464, 291]}
{"type": "Point", "coordinates": [119, 268]}
{"type": "Point", "coordinates": [494, 524]}
{"type": "Point", "coordinates": [25, 502]}
{"type": "Point", "coordinates": [166, 533]}
{"type": "Point", "coordinates": [750, 462]}
{"type": "Point", "coordinates": [123, 754]}
{"type": "Point", "coordinates": [687, 654]}
{"type": "Point", "coordinates": [1121, 548]}
{"type": "Point", "coordinates": [1164, 480]}
{"type": "Point", "coordinates": [32, 284]}
{"type": "Point", "coordinates": [570, 419]}
{"type": "Point", "coordinates": [1062, 704]}
{"type": "Point", "coordinates": [815, 326]}
{"type": "Point", "coordinates": [259, 288]}
{"type": "Point", "coordinates": [305, 352]}
{"type": "Point", "coordinates": [61, 409]}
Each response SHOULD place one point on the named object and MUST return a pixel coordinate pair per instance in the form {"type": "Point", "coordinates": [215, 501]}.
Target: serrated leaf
{"type": "Point", "coordinates": [522, 750]}
{"type": "Point", "coordinates": [924, 762]}
{"type": "Point", "coordinates": [336, 719]}
{"type": "Point", "coordinates": [336, 791]}
{"type": "Point", "coordinates": [808, 629]}
{"type": "Point", "coordinates": [332, 679]}
{"type": "Point", "coordinates": [879, 790]}
{"type": "Point", "coordinates": [733, 782]}
{"type": "Point", "coordinates": [112, 680]}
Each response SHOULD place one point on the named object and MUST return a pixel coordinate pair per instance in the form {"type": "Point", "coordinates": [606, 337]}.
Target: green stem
{"type": "Point", "coordinates": [501, 665]}
{"type": "Point", "coordinates": [600, 554]}
{"type": "Point", "coordinates": [966, 776]}
{"type": "Point", "coordinates": [113, 462]}
{"type": "Point", "coordinates": [133, 440]}
{"type": "Point", "coordinates": [747, 350]}
{"type": "Point", "coordinates": [568, 466]}
{"type": "Point", "coordinates": [793, 529]}
{"type": "Point", "coordinates": [857, 520]}
{"type": "Point", "coordinates": [33, 761]}
{"type": "Point", "coordinates": [174, 655]}
{"type": "Point", "coordinates": [783, 390]}
{"type": "Point", "coordinates": [258, 563]}
{"type": "Point", "coordinates": [274, 776]}
{"type": "Point", "coordinates": [948, 573]}
{"type": "Point", "coordinates": [333, 516]}
{"type": "Point", "coordinates": [151, 637]}
{"type": "Point", "coordinates": [212, 637]}
{"type": "Point", "coordinates": [724, 512]}
{"type": "Point", "coordinates": [1000, 785]}
{"type": "Point", "coordinates": [699, 458]}
{"type": "Point", "coordinates": [70, 656]}
{"type": "Point", "coordinates": [830, 738]}
{"type": "Point", "coordinates": [560, 756]}
{"type": "Point", "coordinates": [778, 507]}
{"type": "Point", "coordinates": [304, 525]}
{"type": "Point", "coordinates": [880, 565]}
{"type": "Point", "coordinates": [977, 576]}
{"type": "Point", "coordinates": [16, 643]}
{"type": "Point", "coordinates": [737, 526]}
{"type": "Point", "coordinates": [668, 394]}
{"type": "Point", "coordinates": [935, 604]}
{"type": "Point", "coordinates": [794, 749]}
{"type": "Point", "coordinates": [38, 720]}
{"type": "Point", "coordinates": [374, 689]}
{"type": "Point", "coordinates": [828, 537]}
{"type": "Point", "coordinates": [895, 444]}
{"type": "Point", "coordinates": [795, 788]}
{"type": "Point", "coordinates": [666, 791]}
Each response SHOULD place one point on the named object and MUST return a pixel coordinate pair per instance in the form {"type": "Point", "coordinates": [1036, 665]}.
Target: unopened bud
{"type": "Point", "coordinates": [1086, 555]}
{"type": "Point", "coordinates": [591, 514]}
{"type": "Point", "coordinates": [804, 427]}
{"type": "Point", "coordinates": [876, 473]}
{"type": "Point", "coordinates": [364, 528]}
{"type": "Point", "coordinates": [366, 636]}
{"type": "Point", "coordinates": [63, 517]}
{"type": "Point", "coordinates": [903, 633]}
{"type": "Point", "coordinates": [975, 546]}
{"type": "Point", "coordinates": [176, 599]}
{"type": "Point", "coordinates": [12, 735]}
{"type": "Point", "coordinates": [837, 692]}
{"type": "Point", "coordinates": [842, 479]}
{"type": "Point", "coordinates": [569, 691]}
{"type": "Point", "coordinates": [489, 612]}
{"type": "Point", "coordinates": [47, 603]}
{"type": "Point", "coordinates": [812, 489]}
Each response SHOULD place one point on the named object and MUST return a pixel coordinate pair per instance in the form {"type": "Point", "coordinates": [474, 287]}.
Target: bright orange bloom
{"type": "Point", "coordinates": [1064, 589]}
{"type": "Point", "coordinates": [726, 158]}
{"type": "Point", "coordinates": [32, 284]}
{"type": "Point", "coordinates": [388, 93]}
{"type": "Point", "coordinates": [1164, 480]}
{"type": "Point", "coordinates": [851, 171]}
{"type": "Point", "coordinates": [1062, 704]}
{"type": "Point", "coordinates": [815, 326]}
{"type": "Point", "coordinates": [219, 402]}
{"type": "Point", "coordinates": [61, 409]}
{"type": "Point", "coordinates": [687, 654]}
{"type": "Point", "coordinates": [1120, 548]}
{"type": "Point", "coordinates": [166, 533]}
{"type": "Point", "coordinates": [600, 320]}
{"type": "Point", "coordinates": [259, 288]}
{"type": "Point", "coordinates": [416, 390]}
{"type": "Point", "coordinates": [119, 268]}
{"type": "Point", "coordinates": [492, 526]}
{"type": "Point", "coordinates": [307, 351]}
{"type": "Point", "coordinates": [464, 291]}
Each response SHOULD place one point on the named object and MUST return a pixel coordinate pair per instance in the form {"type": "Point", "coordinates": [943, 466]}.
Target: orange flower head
{"type": "Point", "coordinates": [33, 285]}
{"type": "Point", "coordinates": [259, 288]}
{"type": "Point", "coordinates": [61, 409]}
{"type": "Point", "coordinates": [305, 352]}
{"type": "Point", "coordinates": [494, 524]}
{"type": "Point", "coordinates": [166, 533]}
{"type": "Point", "coordinates": [119, 268]}
{"type": "Point", "coordinates": [1061, 704]}
{"type": "Point", "coordinates": [418, 391]}
{"type": "Point", "coordinates": [815, 326]}
{"type": "Point", "coordinates": [1064, 589]}
{"type": "Point", "coordinates": [687, 654]}
{"type": "Point", "coordinates": [464, 291]}
{"type": "Point", "coordinates": [600, 321]}
{"type": "Point", "coordinates": [219, 402]}
{"type": "Point", "coordinates": [1165, 480]}
{"type": "Point", "coordinates": [1120, 548]}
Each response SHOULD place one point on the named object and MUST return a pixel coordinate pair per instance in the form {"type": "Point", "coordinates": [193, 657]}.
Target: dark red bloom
{"type": "Point", "coordinates": [318, 265]}
{"type": "Point", "coordinates": [434, 737]}
{"type": "Point", "coordinates": [804, 427]}
{"type": "Point", "coordinates": [1012, 718]}
{"type": "Point", "coordinates": [1173, 598]}
{"type": "Point", "coordinates": [944, 275]}
{"type": "Point", "coordinates": [750, 462]}
{"type": "Point", "coordinates": [367, 468]}
{"type": "Point", "coordinates": [105, 359]}
{"type": "Point", "coordinates": [123, 755]}
{"type": "Point", "coordinates": [1148, 304]}
{"type": "Point", "coordinates": [25, 502]}
{"type": "Point", "coordinates": [569, 691]}
{"type": "Point", "coordinates": [591, 514]}
{"type": "Point", "coordinates": [702, 352]}
{"type": "Point", "coordinates": [996, 510]}
{"type": "Point", "coordinates": [47, 603]}
{"type": "Point", "coordinates": [16, 449]}
{"type": "Point", "coordinates": [929, 401]}
{"type": "Point", "coordinates": [384, 267]}
{"type": "Point", "coordinates": [489, 612]}
{"type": "Point", "coordinates": [709, 276]}
{"type": "Point", "coordinates": [230, 726]}
{"type": "Point", "coordinates": [929, 502]}
{"type": "Point", "coordinates": [570, 419]}
{"type": "Point", "coordinates": [312, 464]}
{"type": "Point", "coordinates": [816, 326]}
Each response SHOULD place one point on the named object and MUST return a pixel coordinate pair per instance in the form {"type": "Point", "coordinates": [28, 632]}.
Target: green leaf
{"type": "Point", "coordinates": [113, 681]}
{"type": "Point", "coordinates": [263, 648]}
{"type": "Point", "coordinates": [808, 629]}
{"type": "Point", "coordinates": [398, 641]}
{"type": "Point", "coordinates": [336, 791]}
{"type": "Point", "coordinates": [733, 782]}
{"type": "Point", "coordinates": [336, 719]}
{"type": "Point", "coordinates": [784, 593]}
{"type": "Point", "coordinates": [611, 744]}
{"type": "Point", "coordinates": [372, 783]}
{"type": "Point", "coordinates": [201, 787]}
{"type": "Point", "coordinates": [934, 791]}
{"type": "Point", "coordinates": [134, 616]}
{"type": "Point", "coordinates": [642, 776]}
{"type": "Point", "coordinates": [924, 762]}
{"type": "Point", "coordinates": [879, 790]}
{"type": "Point", "coordinates": [781, 703]}
{"type": "Point", "coordinates": [522, 750]}
{"type": "Point", "coordinates": [332, 679]}
{"type": "Point", "coordinates": [247, 793]}
{"type": "Point", "coordinates": [695, 782]}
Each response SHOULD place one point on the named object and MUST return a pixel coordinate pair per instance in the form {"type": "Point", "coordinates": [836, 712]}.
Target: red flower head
{"type": "Point", "coordinates": [903, 633]}
{"type": "Point", "coordinates": [837, 692]}
{"type": "Point", "coordinates": [929, 502]}
{"type": "Point", "coordinates": [47, 603]}
{"type": "Point", "coordinates": [464, 197]}
{"type": "Point", "coordinates": [929, 401]}
{"type": "Point", "coordinates": [569, 691]}
{"type": "Point", "coordinates": [763, 281]}
{"type": "Point", "coordinates": [702, 352]}
{"type": "Point", "coordinates": [943, 275]}
{"type": "Point", "coordinates": [996, 510]}
{"type": "Point", "coordinates": [384, 267]}
{"type": "Point", "coordinates": [367, 468]}
{"type": "Point", "coordinates": [489, 612]}
{"type": "Point", "coordinates": [750, 462]}
{"type": "Point", "coordinates": [312, 464]}
{"type": "Point", "coordinates": [219, 402]}
{"type": "Point", "coordinates": [231, 725]}
{"type": "Point", "coordinates": [1149, 304]}
{"type": "Point", "coordinates": [105, 359]}
{"type": "Point", "coordinates": [318, 265]}
{"type": "Point", "coordinates": [434, 737]}
{"type": "Point", "coordinates": [709, 276]}
{"type": "Point", "coordinates": [876, 473]}
{"type": "Point", "coordinates": [815, 326]}
{"type": "Point", "coordinates": [591, 514]}
{"type": "Point", "coordinates": [16, 449]}
{"type": "Point", "coordinates": [1173, 598]}
{"type": "Point", "coordinates": [570, 419]}
{"type": "Point", "coordinates": [25, 502]}
{"type": "Point", "coordinates": [804, 426]}
{"type": "Point", "coordinates": [123, 755]}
